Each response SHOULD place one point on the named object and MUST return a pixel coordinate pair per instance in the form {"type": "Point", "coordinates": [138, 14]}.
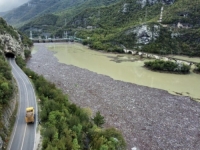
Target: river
{"type": "Point", "coordinates": [128, 68]}
{"type": "Point", "coordinates": [147, 117]}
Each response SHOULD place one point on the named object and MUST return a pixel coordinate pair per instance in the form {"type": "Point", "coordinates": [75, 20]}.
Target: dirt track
{"type": "Point", "coordinates": [150, 119]}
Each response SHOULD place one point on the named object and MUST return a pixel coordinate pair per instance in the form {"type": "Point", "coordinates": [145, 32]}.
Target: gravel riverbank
{"type": "Point", "coordinates": [150, 119]}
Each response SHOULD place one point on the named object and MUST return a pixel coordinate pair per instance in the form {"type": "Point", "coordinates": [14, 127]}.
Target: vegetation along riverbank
{"type": "Point", "coordinates": [125, 67]}
{"type": "Point", "coordinates": [167, 66]}
{"type": "Point", "coordinates": [66, 125]}
{"type": "Point", "coordinates": [197, 69]}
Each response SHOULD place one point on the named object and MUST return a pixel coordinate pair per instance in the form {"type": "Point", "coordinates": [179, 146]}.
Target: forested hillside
{"type": "Point", "coordinates": [31, 9]}
{"type": "Point", "coordinates": [140, 28]}
{"type": "Point", "coordinates": [34, 8]}
{"type": "Point", "coordinates": [6, 87]}
{"type": "Point", "coordinates": [6, 92]}
{"type": "Point", "coordinates": [163, 27]}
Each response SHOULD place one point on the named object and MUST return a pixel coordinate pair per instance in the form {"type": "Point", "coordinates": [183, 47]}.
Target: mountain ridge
{"type": "Point", "coordinates": [34, 8]}
{"type": "Point", "coordinates": [156, 26]}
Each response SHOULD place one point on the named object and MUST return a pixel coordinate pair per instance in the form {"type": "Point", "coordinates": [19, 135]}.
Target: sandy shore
{"type": "Point", "coordinates": [149, 119]}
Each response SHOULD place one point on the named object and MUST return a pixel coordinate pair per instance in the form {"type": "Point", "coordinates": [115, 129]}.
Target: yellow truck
{"type": "Point", "coordinates": [29, 115]}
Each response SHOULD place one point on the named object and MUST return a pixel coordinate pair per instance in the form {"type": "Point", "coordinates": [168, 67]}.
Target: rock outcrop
{"type": "Point", "coordinates": [145, 34]}
{"type": "Point", "coordinates": [168, 1]}
{"type": "Point", "coordinates": [11, 45]}
{"type": "Point", "coordinates": [125, 7]}
{"type": "Point", "coordinates": [151, 2]}
{"type": "Point", "coordinates": [1, 143]}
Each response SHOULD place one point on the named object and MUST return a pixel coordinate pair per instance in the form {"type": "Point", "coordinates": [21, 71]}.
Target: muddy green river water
{"type": "Point", "coordinates": [128, 68]}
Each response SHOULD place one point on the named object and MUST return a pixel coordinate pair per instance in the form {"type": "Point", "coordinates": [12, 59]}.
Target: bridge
{"type": "Point", "coordinates": [49, 40]}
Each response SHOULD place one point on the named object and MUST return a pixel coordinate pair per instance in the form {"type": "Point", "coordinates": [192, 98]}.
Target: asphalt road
{"type": "Point", "coordinates": [23, 135]}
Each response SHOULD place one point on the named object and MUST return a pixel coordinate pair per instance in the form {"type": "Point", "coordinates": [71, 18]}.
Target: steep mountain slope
{"type": "Point", "coordinates": [163, 27]}
{"type": "Point", "coordinates": [156, 26]}
{"type": "Point", "coordinates": [37, 7]}
{"type": "Point", "coordinates": [33, 8]}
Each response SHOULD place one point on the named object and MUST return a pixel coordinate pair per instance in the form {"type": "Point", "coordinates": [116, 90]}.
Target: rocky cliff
{"type": "Point", "coordinates": [145, 33]}
{"type": "Point", "coordinates": [11, 41]}
{"type": "Point", "coordinates": [11, 45]}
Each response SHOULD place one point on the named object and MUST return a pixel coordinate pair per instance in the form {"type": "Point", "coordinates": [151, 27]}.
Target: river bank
{"type": "Point", "coordinates": [149, 118]}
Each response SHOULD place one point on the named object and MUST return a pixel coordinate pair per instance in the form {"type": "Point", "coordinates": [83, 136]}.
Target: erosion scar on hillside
{"type": "Point", "coordinates": [149, 118]}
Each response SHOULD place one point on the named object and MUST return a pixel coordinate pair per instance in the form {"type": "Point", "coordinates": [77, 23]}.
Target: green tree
{"type": "Point", "coordinates": [75, 146]}
{"type": "Point", "coordinates": [50, 147]}
{"type": "Point", "coordinates": [98, 119]}
{"type": "Point", "coordinates": [27, 53]}
{"type": "Point", "coordinates": [20, 62]}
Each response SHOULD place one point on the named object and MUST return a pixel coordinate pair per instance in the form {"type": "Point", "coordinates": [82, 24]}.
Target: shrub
{"type": "Point", "coordinates": [27, 53]}
{"type": "Point", "coordinates": [98, 119]}
{"type": "Point", "coordinates": [20, 62]}
{"type": "Point", "coordinates": [197, 68]}
{"type": "Point", "coordinates": [109, 139]}
{"type": "Point", "coordinates": [85, 42]}
{"type": "Point", "coordinates": [160, 65]}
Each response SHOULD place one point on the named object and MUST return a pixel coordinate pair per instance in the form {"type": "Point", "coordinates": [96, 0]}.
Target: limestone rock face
{"type": "Point", "coordinates": [168, 1]}
{"type": "Point", "coordinates": [145, 2]}
{"type": "Point", "coordinates": [1, 143]}
{"type": "Point", "coordinates": [145, 34]}
{"type": "Point", "coordinates": [125, 7]}
{"type": "Point", "coordinates": [11, 45]}
{"type": "Point", "coordinates": [151, 2]}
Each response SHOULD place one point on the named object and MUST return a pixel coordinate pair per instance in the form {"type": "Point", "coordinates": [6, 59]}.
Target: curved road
{"type": "Point", "coordinates": [23, 135]}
